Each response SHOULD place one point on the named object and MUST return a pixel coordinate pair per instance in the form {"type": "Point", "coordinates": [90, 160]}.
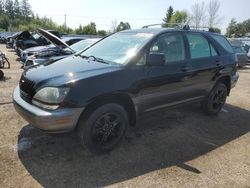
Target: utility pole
{"type": "Point", "coordinates": [65, 21]}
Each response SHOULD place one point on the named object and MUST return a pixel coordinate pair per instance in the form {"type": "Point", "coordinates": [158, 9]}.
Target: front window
{"type": "Point", "coordinates": [172, 46]}
{"type": "Point", "coordinates": [119, 47]}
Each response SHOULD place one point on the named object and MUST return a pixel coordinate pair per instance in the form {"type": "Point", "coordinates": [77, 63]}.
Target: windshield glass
{"type": "Point", "coordinates": [36, 35]}
{"type": "Point", "coordinates": [81, 45]}
{"type": "Point", "coordinates": [119, 47]}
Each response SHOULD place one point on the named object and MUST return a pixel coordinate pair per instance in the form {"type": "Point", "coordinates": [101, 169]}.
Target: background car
{"type": "Point", "coordinates": [65, 50]}
{"type": "Point", "coordinates": [241, 56]}
{"type": "Point", "coordinates": [51, 48]}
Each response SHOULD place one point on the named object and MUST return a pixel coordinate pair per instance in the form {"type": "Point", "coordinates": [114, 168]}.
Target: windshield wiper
{"type": "Point", "coordinates": [93, 58]}
{"type": "Point", "coordinates": [100, 60]}
{"type": "Point", "coordinates": [82, 56]}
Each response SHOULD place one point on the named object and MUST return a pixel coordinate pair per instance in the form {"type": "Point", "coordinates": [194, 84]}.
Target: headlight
{"type": "Point", "coordinates": [50, 97]}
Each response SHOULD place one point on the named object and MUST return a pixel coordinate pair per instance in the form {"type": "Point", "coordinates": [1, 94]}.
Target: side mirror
{"type": "Point", "coordinates": [156, 59]}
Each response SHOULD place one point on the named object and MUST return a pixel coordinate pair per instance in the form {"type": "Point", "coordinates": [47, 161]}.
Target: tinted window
{"type": "Point", "coordinates": [213, 51]}
{"type": "Point", "coordinates": [172, 46]}
{"type": "Point", "coordinates": [223, 42]}
{"type": "Point", "coordinates": [199, 46]}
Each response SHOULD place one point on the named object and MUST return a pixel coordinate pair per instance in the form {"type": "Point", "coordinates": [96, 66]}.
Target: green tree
{"type": "Point", "coordinates": [89, 29]}
{"type": "Point", "coordinates": [17, 11]}
{"type": "Point", "coordinates": [25, 9]}
{"type": "Point", "coordinates": [79, 30]}
{"type": "Point", "coordinates": [123, 26]}
{"type": "Point", "coordinates": [4, 22]}
{"type": "Point", "coordinates": [179, 17]}
{"type": "Point", "coordinates": [9, 8]}
{"type": "Point", "coordinates": [215, 30]}
{"type": "Point", "coordinates": [102, 33]}
{"type": "Point", "coordinates": [232, 28]}
{"type": "Point", "coordinates": [168, 17]}
{"type": "Point", "coordinates": [2, 11]}
{"type": "Point", "coordinates": [238, 29]}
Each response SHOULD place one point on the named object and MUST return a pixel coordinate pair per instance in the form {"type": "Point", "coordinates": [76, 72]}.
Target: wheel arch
{"type": "Point", "coordinates": [227, 81]}
{"type": "Point", "coordinates": [122, 99]}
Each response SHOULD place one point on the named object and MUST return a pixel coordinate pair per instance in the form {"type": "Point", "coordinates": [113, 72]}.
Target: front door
{"type": "Point", "coordinates": [169, 84]}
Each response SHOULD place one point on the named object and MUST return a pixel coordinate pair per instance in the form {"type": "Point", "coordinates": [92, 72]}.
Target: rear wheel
{"type": "Point", "coordinates": [101, 129]}
{"type": "Point", "coordinates": [1, 75]}
{"type": "Point", "coordinates": [216, 99]}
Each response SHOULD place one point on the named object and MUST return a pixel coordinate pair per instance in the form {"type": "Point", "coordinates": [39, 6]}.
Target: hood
{"type": "Point", "coordinates": [54, 39]}
{"type": "Point", "coordinates": [39, 48]}
{"type": "Point", "coordinates": [66, 70]}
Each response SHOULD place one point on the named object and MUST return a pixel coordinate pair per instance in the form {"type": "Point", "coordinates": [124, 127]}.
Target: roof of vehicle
{"type": "Point", "coordinates": [156, 31]}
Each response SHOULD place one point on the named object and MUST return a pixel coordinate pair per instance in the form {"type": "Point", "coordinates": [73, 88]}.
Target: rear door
{"type": "Point", "coordinates": [204, 62]}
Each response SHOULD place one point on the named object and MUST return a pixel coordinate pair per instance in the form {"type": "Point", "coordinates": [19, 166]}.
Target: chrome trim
{"type": "Point", "coordinates": [175, 103]}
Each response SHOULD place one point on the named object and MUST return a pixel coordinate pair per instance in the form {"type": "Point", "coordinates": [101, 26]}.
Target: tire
{"type": "Point", "coordinates": [216, 99]}
{"type": "Point", "coordinates": [1, 75]}
{"type": "Point", "coordinates": [101, 129]}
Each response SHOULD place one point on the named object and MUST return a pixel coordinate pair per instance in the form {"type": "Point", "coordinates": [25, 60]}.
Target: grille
{"type": "Point", "coordinates": [27, 89]}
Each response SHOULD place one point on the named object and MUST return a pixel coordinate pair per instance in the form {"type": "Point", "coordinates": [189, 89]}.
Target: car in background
{"type": "Point", "coordinates": [241, 56]}
{"type": "Point", "coordinates": [26, 39]}
{"type": "Point", "coordinates": [11, 39]}
{"type": "Point", "coordinates": [51, 49]}
{"type": "Point", "coordinates": [4, 36]}
{"type": "Point", "coordinates": [48, 57]}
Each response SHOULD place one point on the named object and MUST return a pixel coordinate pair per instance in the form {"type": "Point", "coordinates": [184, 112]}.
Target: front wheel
{"type": "Point", "coordinates": [216, 99]}
{"type": "Point", "coordinates": [101, 129]}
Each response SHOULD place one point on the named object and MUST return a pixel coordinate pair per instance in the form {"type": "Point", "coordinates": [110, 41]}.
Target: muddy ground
{"type": "Point", "coordinates": [177, 147]}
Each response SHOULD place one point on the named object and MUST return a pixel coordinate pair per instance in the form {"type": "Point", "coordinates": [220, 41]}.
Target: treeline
{"type": "Point", "coordinates": [238, 29]}
{"type": "Point", "coordinates": [18, 16]}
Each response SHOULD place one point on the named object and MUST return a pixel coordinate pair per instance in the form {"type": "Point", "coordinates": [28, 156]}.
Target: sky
{"type": "Point", "coordinates": [137, 12]}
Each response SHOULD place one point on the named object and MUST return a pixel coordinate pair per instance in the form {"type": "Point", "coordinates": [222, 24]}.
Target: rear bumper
{"type": "Point", "coordinates": [61, 120]}
{"type": "Point", "coordinates": [234, 79]}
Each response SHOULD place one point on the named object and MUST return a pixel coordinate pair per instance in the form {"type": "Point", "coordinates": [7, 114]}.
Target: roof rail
{"type": "Point", "coordinates": [183, 26]}
{"type": "Point", "coordinates": [165, 25]}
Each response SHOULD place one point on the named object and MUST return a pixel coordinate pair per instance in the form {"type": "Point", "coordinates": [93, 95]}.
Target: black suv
{"type": "Point", "coordinates": [102, 90]}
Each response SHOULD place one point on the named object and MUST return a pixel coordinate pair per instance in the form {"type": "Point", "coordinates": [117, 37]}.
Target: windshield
{"type": "Point", "coordinates": [119, 47]}
{"type": "Point", "coordinates": [36, 35]}
{"type": "Point", "coordinates": [81, 45]}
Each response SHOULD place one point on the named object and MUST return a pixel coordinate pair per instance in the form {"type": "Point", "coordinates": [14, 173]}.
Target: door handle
{"type": "Point", "coordinates": [218, 63]}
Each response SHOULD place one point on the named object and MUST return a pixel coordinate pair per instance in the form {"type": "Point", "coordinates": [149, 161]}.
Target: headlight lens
{"type": "Point", "coordinates": [50, 97]}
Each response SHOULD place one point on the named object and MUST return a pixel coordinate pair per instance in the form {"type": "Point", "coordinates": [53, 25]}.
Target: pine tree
{"type": "Point", "coordinates": [1, 7]}
{"type": "Point", "coordinates": [17, 12]}
{"type": "Point", "coordinates": [9, 8]}
{"type": "Point", "coordinates": [25, 9]}
{"type": "Point", "coordinates": [168, 17]}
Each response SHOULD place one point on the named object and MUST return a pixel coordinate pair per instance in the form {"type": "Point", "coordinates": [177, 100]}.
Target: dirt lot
{"type": "Point", "coordinates": [178, 147]}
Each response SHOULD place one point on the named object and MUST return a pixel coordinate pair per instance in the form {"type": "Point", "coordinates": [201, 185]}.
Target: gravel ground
{"type": "Point", "coordinates": [176, 147]}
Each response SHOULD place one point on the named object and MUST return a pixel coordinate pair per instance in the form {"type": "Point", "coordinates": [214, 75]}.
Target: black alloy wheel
{"type": "Point", "coordinates": [101, 128]}
{"type": "Point", "coordinates": [216, 99]}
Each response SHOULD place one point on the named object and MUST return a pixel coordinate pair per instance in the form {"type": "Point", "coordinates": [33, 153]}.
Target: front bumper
{"type": "Point", "coordinates": [61, 120]}
{"type": "Point", "coordinates": [234, 79]}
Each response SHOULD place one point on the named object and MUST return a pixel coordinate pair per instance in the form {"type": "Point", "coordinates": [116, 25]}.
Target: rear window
{"type": "Point", "coordinates": [223, 42]}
